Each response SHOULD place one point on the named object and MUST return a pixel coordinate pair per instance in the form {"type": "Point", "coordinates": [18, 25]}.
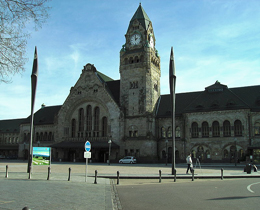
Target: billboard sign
{"type": "Point", "coordinates": [41, 156]}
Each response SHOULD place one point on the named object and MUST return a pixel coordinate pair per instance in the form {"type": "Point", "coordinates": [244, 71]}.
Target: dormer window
{"type": "Point", "coordinates": [199, 107]}
{"type": "Point", "coordinates": [230, 103]}
{"type": "Point", "coordinates": [214, 105]}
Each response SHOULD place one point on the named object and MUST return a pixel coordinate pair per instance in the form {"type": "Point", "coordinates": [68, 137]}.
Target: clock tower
{"type": "Point", "coordinates": [139, 76]}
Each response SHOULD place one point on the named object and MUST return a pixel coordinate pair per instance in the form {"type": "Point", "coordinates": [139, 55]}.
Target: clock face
{"type": "Point", "coordinates": [151, 42]}
{"type": "Point", "coordinates": [135, 39]}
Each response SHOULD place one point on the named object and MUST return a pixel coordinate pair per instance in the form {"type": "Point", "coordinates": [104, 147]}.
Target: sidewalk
{"type": "Point", "coordinates": [60, 171]}
{"type": "Point", "coordinates": [38, 193]}
{"type": "Point", "coordinates": [18, 191]}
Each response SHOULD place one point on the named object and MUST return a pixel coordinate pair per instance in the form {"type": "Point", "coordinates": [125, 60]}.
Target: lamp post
{"type": "Point", "coordinates": [235, 152]}
{"type": "Point", "coordinates": [109, 151]}
{"type": "Point", "coordinates": [166, 151]}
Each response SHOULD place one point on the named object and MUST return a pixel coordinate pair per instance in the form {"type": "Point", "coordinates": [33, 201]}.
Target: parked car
{"type": "Point", "coordinates": [2, 157]}
{"type": "Point", "coordinates": [128, 159]}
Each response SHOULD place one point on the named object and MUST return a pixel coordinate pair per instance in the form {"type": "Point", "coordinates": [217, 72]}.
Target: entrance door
{"type": "Point", "coordinates": [71, 155]}
{"type": "Point", "coordinates": [103, 156]}
{"type": "Point", "coordinates": [232, 154]}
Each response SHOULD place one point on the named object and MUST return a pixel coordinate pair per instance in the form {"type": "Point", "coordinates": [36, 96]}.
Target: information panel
{"type": "Point", "coordinates": [41, 155]}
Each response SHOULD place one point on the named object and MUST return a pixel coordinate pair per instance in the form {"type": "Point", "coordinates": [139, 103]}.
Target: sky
{"type": "Point", "coordinates": [212, 40]}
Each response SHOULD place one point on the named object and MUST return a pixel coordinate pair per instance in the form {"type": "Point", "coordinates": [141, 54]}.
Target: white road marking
{"type": "Point", "coordinates": [249, 187]}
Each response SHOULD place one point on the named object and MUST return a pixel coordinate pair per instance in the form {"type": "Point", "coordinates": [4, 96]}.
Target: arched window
{"type": "Point", "coordinates": [177, 132]}
{"type": "Point", "coordinates": [193, 154]}
{"type": "Point", "coordinates": [226, 128]}
{"type": "Point", "coordinates": [37, 137]}
{"type": "Point", "coordinates": [207, 154]}
{"type": "Point", "coordinates": [96, 121]}
{"type": "Point", "coordinates": [163, 154]}
{"type": "Point", "coordinates": [163, 132]}
{"type": "Point", "coordinates": [41, 136]}
{"type": "Point", "coordinates": [225, 153]}
{"type": "Point", "coordinates": [89, 121]}
{"type": "Point", "coordinates": [131, 60]}
{"type": "Point", "coordinates": [45, 138]}
{"type": "Point", "coordinates": [238, 128]}
{"type": "Point", "coordinates": [215, 129]}
{"type": "Point", "coordinates": [169, 132]}
{"type": "Point", "coordinates": [194, 130]}
{"type": "Point", "coordinates": [205, 129]}
{"type": "Point", "coordinates": [50, 136]}
{"type": "Point", "coordinates": [126, 61]}
{"type": "Point", "coordinates": [73, 128]}
{"type": "Point", "coordinates": [257, 129]}
{"type": "Point", "coordinates": [81, 120]}
{"type": "Point", "coordinates": [104, 126]}
{"type": "Point", "coordinates": [241, 154]}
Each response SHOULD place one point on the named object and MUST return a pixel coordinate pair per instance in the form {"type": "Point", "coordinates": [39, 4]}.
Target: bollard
{"type": "Point", "coordinates": [222, 173]}
{"type": "Point", "coordinates": [95, 182]}
{"type": "Point", "coordinates": [160, 176]}
{"type": "Point", "coordinates": [49, 171]}
{"type": "Point", "coordinates": [6, 174]}
{"type": "Point", "coordinates": [192, 178]}
{"type": "Point", "coordinates": [30, 174]}
{"type": "Point", "coordinates": [174, 175]}
{"type": "Point", "coordinates": [117, 177]}
{"type": "Point", "coordinates": [69, 174]}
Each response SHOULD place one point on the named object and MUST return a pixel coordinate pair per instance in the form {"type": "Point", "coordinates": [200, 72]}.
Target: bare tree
{"type": "Point", "coordinates": [15, 15]}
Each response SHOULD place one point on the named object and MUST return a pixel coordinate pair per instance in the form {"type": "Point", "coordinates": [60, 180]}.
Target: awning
{"type": "Point", "coordinates": [9, 147]}
{"type": "Point", "coordinates": [254, 146]}
{"type": "Point", "coordinates": [81, 145]}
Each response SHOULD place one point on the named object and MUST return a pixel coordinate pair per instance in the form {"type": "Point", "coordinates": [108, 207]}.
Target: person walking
{"type": "Point", "coordinates": [189, 162]}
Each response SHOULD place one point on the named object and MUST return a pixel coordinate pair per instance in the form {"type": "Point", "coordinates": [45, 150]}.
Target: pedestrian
{"type": "Point", "coordinates": [189, 162]}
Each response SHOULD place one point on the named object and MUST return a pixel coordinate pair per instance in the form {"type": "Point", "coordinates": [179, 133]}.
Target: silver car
{"type": "Point", "coordinates": [128, 159]}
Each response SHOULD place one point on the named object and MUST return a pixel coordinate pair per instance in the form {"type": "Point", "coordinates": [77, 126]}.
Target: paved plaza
{"type": "Point", "coordinates": [17, 191]}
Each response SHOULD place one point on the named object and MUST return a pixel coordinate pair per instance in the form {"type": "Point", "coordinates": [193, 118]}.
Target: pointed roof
{"type": "Point", "coordinates": [141, 16]}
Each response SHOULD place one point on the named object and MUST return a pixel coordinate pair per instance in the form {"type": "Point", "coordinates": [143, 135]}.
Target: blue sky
{"type": "Point", "coordinates": [212, 40]}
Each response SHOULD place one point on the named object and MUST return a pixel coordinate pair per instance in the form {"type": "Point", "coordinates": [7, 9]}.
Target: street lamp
{"type": "Point", "coordinates": [109, 151]}
{"type": "Point", "coordinates": [235, 151]}
{"type": "Point", "coordinates": [166, 151]}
